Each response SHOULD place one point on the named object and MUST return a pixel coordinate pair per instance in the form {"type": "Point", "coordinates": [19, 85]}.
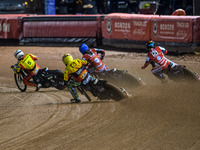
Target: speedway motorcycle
{"type": "Point", "coordinates": [181, 73]}
{"type": "Point", "coordinates": [119, 78]}
{"type": "Point", "coordinates": [48, 78]}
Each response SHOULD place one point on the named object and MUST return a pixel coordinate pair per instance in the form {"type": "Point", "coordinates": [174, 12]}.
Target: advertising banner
{"type": "Point", "coordinates": [172, 29]}
{"type": "Point", "coordinates": [127, 26]}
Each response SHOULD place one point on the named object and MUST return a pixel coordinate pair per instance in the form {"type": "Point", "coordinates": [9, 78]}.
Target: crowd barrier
{"type": "Point", "coordinates": [127, 31]}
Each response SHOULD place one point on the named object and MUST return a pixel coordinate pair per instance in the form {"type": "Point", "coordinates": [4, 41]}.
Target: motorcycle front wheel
{"type": "Point", "coordinates": [19, 82]}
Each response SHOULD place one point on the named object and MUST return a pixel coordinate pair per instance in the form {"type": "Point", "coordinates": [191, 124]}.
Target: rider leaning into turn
{"type": "Point", "coordinates": [75, 74]}
{"type": "Point", "coordinates": [91, 55]}
{"type": "Point", "coordinates": [27, 62]}
{"type": "Point", "coordinates": [159, 62]}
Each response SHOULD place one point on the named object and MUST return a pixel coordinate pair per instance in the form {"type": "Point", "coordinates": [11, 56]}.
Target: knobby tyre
{"type": "Point", "coordinates": [189, 75]}
{"type": "Point", "coordinates": [120, 78]}
{"type": "Point", "coordinates": [112, 92]}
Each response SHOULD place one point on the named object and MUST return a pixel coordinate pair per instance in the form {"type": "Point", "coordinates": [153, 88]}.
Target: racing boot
{"type": "Point", "coordinates": [38, 87]}
{"type": "Point", "coordinates": [160, 76]}
{"type": "Point", "coordinates": [76, 100]}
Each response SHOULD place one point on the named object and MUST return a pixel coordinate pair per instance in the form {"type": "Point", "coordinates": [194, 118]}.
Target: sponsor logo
{"type": "Point", "coordinates": [122, 25]}
{"type": "Point", "coordinates": [79, 71]}
{"type": "Point", "coordinates": [155, 28]}
{"type": "Point", "coordinates": [83, 74]}
{"type": "Point", "coordinates": [154, 53]}
{"type": "Point", "coordinates": [96, 60]}
{"type": "Point", "coordinates": [109, 26]}
{"type": "Point", "coordinates": [139, 32]}
{"type": "Point", "coordinates": [140, 23]}
{"type": "Point", "coordinates": [182, 24]}
{"type": "Point", "coordinates": [158, 58]}
{"type": "Point", "coordinates": [168, 27]}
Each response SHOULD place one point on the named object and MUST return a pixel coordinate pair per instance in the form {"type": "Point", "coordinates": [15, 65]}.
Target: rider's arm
{"type": "Point", "coordinates": [101, 51]}
{"type": "Point", "coordinates": [21, 65]}
{"type": "Point", "coordinates": [16, 68]}
{"type": "Point", "coordinates": [146, 63]}
{"type": "Point", "coordinates": [33, 57]}
{"type": "Point", "coordinates": [163, 50]}
{"type": "Point", "coordinates": [153, 64]}
{"type": "Point", "coordinates": [84, 62]}
{"type": "Point", "coordinates": [66, 75]}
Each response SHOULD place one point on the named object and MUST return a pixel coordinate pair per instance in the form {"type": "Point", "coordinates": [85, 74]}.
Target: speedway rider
{"type": "Point", "coordinates": [27, 62]}
{"type": "Point", "coordinates": [159, 62]}
{"type": "Point", "coordinates": [91, 55]}
{"type": "Point", "coordinates": [75, 74]}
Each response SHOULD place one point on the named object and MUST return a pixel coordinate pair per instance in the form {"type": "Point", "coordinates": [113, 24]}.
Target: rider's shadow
{"type": "Point", "coordinates": [81, 103]}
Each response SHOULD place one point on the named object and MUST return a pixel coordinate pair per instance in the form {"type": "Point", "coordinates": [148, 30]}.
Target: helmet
{"type": "Point", "coordinates": [19, 54]}
{"type": "Point", "coordinates": [67, 58]}
{"type": "Point", "coordinates": [83, 48]}
{"type": "Point", "coordinates": [150, 44]}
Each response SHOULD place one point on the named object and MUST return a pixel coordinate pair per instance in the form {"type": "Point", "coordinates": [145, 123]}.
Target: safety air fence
{"type": "Point", "coordinates": [120, 30]}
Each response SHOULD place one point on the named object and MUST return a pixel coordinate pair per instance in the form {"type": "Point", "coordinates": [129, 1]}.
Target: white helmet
{"type": "Point", "coordinates": [19, 54]}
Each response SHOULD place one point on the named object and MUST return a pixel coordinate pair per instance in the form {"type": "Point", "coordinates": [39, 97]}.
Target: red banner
{"type": "Point", "coordinates": [10, 26]}
{"type": "Point", "coordinates": [127, 26]}
{"type": "Point", "coordinates": [196, 30]}
{"type": "Point", "coordinates": [172, 29]}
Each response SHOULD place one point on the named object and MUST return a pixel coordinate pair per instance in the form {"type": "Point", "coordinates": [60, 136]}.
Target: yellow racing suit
{"type": "Point", "coordinates": [77, 70]}
{"type": "Point", "coordinates": [28, 63]}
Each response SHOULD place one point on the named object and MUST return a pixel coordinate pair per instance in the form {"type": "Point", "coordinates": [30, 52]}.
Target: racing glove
{"type": "Point", "coordinates": [15, 68]}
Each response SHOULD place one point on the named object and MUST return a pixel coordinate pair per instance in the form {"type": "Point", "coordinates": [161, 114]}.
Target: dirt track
{"type": "Point", "coordinates": [156, 117]}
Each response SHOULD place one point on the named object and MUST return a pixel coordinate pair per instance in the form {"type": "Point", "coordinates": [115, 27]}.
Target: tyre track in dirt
{"type": "Point", "coordinates": [58, 115]}
{"type": "Point", "coordinates": [51, 100]}
{"type": "Point", "coordinates": [62, 112]}
{"type": "Point", "coordinates": [16, 109]}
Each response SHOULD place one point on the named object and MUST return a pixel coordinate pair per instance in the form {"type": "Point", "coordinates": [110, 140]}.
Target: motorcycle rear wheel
{"type": "Point", "coordinates": [111, 92]}
{"type": "Point", "coordinates": [120, 78]}
{"type": "Point", "coordinates": [189, 75]}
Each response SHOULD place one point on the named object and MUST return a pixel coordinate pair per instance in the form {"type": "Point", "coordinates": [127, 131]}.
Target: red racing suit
{"type": "Point", "coordinates": [94, 60]}
{"type": "Point", "coordinates": [157, 55]}
{"type": "Point", "coordinates": [28, 64]}
{"type": "Point", "coordinates": [158, 61]}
